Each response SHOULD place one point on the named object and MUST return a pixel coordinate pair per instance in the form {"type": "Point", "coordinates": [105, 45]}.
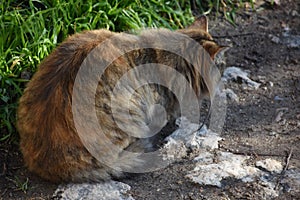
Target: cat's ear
{"type": "Point", "coordinates": [213, 49]}
{"type": "Point", "coordinates": [200, 22]}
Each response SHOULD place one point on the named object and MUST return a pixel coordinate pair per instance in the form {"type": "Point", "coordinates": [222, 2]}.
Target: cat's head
{"type": "Point", "coordinates": [199, 32]}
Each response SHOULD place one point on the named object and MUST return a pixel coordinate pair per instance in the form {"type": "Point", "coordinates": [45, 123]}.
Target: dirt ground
{"type": "Point", "coordinates": [265, 123]}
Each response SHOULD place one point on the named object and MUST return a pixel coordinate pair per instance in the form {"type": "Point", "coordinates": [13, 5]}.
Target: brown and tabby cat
{"type": "Point", "coordinates": [49, 140]}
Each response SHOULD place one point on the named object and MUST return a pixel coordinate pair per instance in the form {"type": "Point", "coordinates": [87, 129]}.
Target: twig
{"type": "Point", "coordinates": [2, 194]}
{"type": "Point", "coordinates": [194, 9]}
{"type": "Point", "coordinates": [237, 35]}
{"type": "Point", "coordinates": [284, 169]}
{"type": "Point", "coordinates": [252, 153]}
{"type": "Point", "coordinates": [4, 166]}
{"type": "Point", "coordinates": [287, 161]}
{"type": "Point", "coordinates": [4, 170]}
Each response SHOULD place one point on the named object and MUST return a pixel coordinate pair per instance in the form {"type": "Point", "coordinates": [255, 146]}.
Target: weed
{"type": "Point", "coordinates": [227, 7]}
{"type": "Point", "coordinates": [20, 185]}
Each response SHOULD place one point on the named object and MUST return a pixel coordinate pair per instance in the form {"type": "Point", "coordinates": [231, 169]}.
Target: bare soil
{"type": "Point", "coordinates": [265, 123]}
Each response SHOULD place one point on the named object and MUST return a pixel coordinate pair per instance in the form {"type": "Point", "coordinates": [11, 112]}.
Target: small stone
{"type": "Point", "coordinates": [26, 75]}
{"type": "Point", "coordinates": [271, 84]}
{"type": "Point", "coordinates": [292, 180]}
{"type": "Point", "coordinates": [292, 41]}
{"type": "Point", "coordinates": [261, 78]}
{"type": "Point", "coordinates": [276, 2]}
{"type": "Point", "coordinates": [111, 190]}
{"type": "Point", "coordinates": [275, 39]}
{"type": "Point", "coordinates": [273, 133]}
{"type": "Point", "coordinates": [240, 76]}
{"type": "Point", "coordinates": [295, 13]}
{"type": "Point", "coordinates": [280, 112]}
{"type": "Point", "coordinates": [277, 98]}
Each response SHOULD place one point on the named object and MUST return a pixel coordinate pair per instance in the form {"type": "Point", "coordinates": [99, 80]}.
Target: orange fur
{"type": "Point", "coordinates": [48, 137]}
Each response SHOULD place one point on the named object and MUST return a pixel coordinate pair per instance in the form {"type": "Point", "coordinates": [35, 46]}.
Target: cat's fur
{"type": "Point", "coordinates": [49, 140]}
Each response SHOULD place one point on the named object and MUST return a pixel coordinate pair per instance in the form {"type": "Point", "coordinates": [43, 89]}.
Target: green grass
{"type": "Point", "coordinates": [20, 185]}
{"type": "Point", "coordinates": [227, 8]}
{"type": "Point", "coordinates": [30, 31]}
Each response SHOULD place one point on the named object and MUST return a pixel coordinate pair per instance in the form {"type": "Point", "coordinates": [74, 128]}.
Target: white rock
{"type": "Point", "coordinates": [295, 13]}
{"type": "Point", "coordinates": [228, 165]}
{"type": "Point", "coordinates": [193, 138]}
{"type": "Point", "coordinates": [233, 73]}
{"type": "Point", "coordinates": [111, 190]}
{"type": "Point", "coordinates": [275, 39]}
{"type": "Point", "coordinates": [188, 137]}
{"type": "Point", "coordinates": [270, 164]}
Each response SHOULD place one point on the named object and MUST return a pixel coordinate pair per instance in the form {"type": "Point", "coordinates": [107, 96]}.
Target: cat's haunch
{"type": "Point", "coordinates": [50, 142]}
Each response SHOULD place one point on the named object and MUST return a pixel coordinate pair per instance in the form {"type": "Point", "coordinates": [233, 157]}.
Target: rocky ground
{"type": "Point", "coordinates": [259, 154]}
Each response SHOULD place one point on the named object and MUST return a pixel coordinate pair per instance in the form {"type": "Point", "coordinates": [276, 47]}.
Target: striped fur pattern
{"type": "Point", "coordinates": [49, 140]}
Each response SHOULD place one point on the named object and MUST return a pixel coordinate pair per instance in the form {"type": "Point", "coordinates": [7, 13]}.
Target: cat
{"type": "Point", "coordinates": [49, 139]}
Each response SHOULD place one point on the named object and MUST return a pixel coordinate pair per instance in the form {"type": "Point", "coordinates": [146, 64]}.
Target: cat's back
{"type": "Point", "coordinates": [44, 115]}
{"type": "Point", "coordinates": [55, 77]}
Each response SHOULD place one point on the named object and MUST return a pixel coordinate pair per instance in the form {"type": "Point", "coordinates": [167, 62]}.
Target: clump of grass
{"type": "Point", "coordinates": [29, 30]}
{"type": "Point", "coordinates": [21, 185]}
{"type": "Point", "coordinates": [226, 7]}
